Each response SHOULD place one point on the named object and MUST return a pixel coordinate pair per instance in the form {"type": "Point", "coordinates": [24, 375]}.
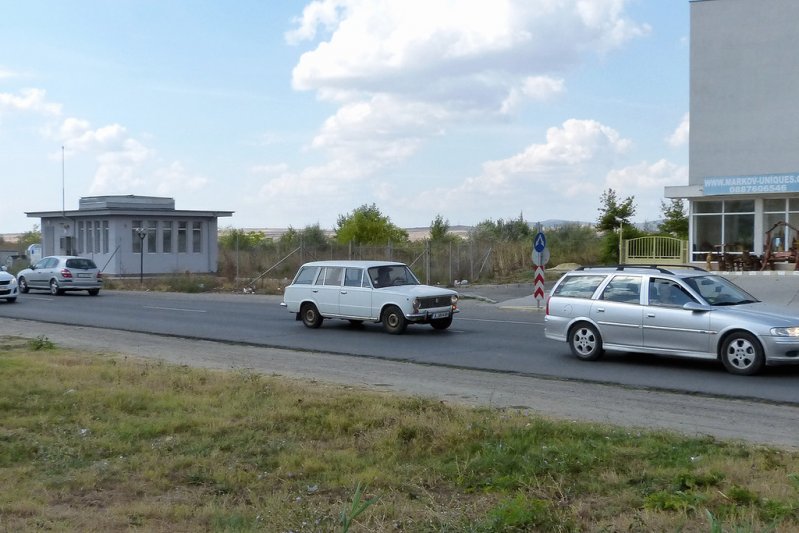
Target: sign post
{"type": "Point", "coordinates": [540, 259]}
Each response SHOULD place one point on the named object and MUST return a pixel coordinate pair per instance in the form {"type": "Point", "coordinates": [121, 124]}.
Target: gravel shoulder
{"type": "Point", "coordinates": [761, 423]}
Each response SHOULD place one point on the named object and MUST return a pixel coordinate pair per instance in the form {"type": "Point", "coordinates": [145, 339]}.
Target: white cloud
{"type": "Point", "coordinates": [174, 178]}
{"type": "Point", "coordinates": [33, 100]}
{"type": "Point", "coordinates": [6, 74]}
{"type": "Point", "coordinates": [680, 136]}
{"type": "Point", "coordinates": [403, 71]}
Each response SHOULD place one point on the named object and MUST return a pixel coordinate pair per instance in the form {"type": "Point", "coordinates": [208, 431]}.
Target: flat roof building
{"type": "Point", "coordinates": [744, 126]}
{"type": "Point", "coordinates": [133, 235]}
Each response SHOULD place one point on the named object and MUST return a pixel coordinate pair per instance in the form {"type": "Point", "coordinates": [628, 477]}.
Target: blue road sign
{"type": "Point", "coordinates": [540, 242]}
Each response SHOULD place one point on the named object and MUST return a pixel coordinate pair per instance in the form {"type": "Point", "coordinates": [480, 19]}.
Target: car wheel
{"type": "Point", "coordinates": [23, 285]}
{"type": "Point", "coordinates": [310, 316]}
{"type": "Point", "coordinates": [742, 354]}
{"type": "Point", "coordinates": [393, 320]}
{"type": "Point", "coordinates": [441, 323]}
{"type": "Point", "coordinates": [94, 292]}
{"type": "Point", "coordinates": [54, 288]}
{"type": "Point", "coordinates": [585, 342]}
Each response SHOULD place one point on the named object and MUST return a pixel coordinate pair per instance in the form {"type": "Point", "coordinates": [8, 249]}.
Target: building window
{"type": "Point", "coordinates": [776, 211]}
{"type": "Point", "coordinates": [97, 236]}
{"type": "Point", "coordinates": [196, 238]}
{"type": "Point", "coordinates": [152, 232]}
{"type": "Point", "coordinates": [89, 237]}
{"type": "Point", "coordinates": [106, 237]}
{"type": "Point", "coordinates": [723, 226]}
{"type": "Point", "coordinates": [182, 237]}
{"type": "Point", "coordinates": [81, 238]}
{"type": "Point", "coordinates": [166, 236]}
{"type": "Point", "coordinates": [136, 240]}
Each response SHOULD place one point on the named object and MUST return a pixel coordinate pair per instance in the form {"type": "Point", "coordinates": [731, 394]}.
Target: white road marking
{"type": "Point", "coordinates": [176, 309]}
{"type": "Point", "coordinates": [497, 321]}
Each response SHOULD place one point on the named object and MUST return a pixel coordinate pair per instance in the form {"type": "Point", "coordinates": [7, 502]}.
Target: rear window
{"type": "Point", "coordinates": [81, 263]}
{"type": "Point", "coordinates": [578, 286]}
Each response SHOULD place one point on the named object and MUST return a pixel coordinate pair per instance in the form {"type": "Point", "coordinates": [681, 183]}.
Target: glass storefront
{"type": "Point", "coordinates": [723, 226]}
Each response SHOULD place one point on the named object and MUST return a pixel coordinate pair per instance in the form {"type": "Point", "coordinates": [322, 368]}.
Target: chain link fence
{"type": "Point", "coordinates": [434, 263]}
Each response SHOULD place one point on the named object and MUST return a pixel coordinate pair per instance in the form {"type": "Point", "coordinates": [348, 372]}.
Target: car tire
{"type": "Point", "coordinates": [23, 286]}
{"type": "Point", "coordinates": [93, 292]}
{"type": "Point", "coordinates": [441, 323]}
{"type": "Point", "coordinates": [55, 290]}
{"type": "Point", "coordinates": [585, 342]}
{"type": "Point", "coordinates": [394, 321]}
{"type": "Point", "coordinates": [742, 354]}
{"type": "Point", "coordinates": [310, 316]}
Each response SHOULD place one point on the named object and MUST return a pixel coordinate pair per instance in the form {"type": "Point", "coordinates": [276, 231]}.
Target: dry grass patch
{"type": "Point", "coordinates": [107, 443]}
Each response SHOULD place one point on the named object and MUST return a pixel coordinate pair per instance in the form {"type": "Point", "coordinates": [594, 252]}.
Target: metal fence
{"type": "Point", "coordinates": [433, 262]}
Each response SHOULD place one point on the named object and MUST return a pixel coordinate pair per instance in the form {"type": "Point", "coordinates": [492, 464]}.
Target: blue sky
{"type": "Point", "coordinates": [294, 113]}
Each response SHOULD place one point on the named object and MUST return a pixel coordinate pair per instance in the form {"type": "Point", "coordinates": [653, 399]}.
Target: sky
{"type": "Point", "coordinates": [295, 113]}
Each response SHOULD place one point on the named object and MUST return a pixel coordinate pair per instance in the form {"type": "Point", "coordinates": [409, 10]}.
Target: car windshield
{"type": "Point", "coordinates": [717, 290]}
{"type": "Point", "coordinates": [391, 275]}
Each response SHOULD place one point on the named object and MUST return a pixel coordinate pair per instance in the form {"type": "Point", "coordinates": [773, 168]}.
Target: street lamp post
{"type": "Point", "coordinates": [142, 233]}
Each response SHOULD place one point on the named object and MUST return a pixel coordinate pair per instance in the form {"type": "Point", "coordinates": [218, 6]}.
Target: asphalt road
{"type": "Point", "coordinates": [484, 336]}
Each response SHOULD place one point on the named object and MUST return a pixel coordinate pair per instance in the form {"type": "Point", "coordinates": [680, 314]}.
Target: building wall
{"type": "Point", "coordinates": [744, 88]}
{"type": "Point", "coordinates": [116, 246]}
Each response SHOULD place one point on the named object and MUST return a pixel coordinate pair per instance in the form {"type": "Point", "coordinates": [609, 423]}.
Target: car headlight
{"type": "Point", "coordinates": [13, 281]}
{"type": "Point", "coordinates": [786, 332]}
{"type": "Point", "coordinates": [416, 303]}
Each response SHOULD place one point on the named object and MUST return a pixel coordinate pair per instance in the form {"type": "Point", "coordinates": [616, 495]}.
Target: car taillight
{"type": "Point", "coordinates": [65, 273]}
{"type": "Point", "coordinates": [547, 307]}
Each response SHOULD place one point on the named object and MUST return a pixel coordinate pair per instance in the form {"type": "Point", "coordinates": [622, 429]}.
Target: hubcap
{"type": "Point", "coordinates": [741, 353]}
{"type": "Point", "coordinates": [393, 320]}
{"type": "Point", "coordinates": [584, 341]}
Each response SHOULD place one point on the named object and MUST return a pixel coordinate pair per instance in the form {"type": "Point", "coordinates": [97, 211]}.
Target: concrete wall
{"type": "Point", "coordinates": [744, 88]}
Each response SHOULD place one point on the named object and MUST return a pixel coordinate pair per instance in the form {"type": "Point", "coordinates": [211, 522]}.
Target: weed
{"type": "Point", "coordinates": [41, 343]}
{"type": "Point", "coordinates": [347, 516]}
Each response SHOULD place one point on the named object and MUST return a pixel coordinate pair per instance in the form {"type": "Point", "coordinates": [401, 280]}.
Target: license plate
{"type": "Point", "coordinates": [84, 275]}
{"type": "Point", "coordinates": [441, 314]}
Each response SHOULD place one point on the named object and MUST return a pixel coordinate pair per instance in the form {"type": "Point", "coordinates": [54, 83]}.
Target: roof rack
{"type": "Point", "coordinates": [639, 267]}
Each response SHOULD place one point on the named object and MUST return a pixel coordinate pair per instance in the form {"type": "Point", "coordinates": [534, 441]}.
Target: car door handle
{"type": "Point", "coordinates": [343, 292]}
{"type": "Point", "coordinates": [650, 315]}
{"type": "Point", "coordinates": [600, 309]}
{"type": "Point", "coordinates": [314, 290]}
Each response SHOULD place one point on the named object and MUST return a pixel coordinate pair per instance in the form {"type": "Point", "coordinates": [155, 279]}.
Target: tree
{"type": "Point", "coordinates": [439, 229]}
{"type": "Point", "coordinates": [232, 239]}
{"type": "Point", "coordinates": [675, 221]}
{"type": "Point", "coordinates": [29, 237]}
{"type": "Point", "coordinates": [614, 213]}
{"type": "Point", "coordinates": [511, 231]}
{"type": "Point", "coordinates": [367, 225]}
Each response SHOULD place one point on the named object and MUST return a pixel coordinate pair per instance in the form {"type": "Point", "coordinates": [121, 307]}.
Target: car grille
{"type": "Point", "coordinates": [5, 282]}
{"type": "Point", "coordinates": [435, 301]}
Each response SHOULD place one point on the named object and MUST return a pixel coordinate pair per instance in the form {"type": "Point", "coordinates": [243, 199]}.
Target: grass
{"type": "Point", "coordinates": [103, 442]}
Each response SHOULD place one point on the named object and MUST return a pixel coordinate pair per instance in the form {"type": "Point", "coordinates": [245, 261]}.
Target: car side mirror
{"type": "Point", "coordinates": [3, 268]}
{"type": "Point", "coordinates": [694, 306]}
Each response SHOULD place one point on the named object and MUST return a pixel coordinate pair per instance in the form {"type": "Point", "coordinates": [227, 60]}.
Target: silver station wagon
{"type": "Point", "coordinates": [682, 311]}
{"type": "Point", "coordinates": [374, 291]}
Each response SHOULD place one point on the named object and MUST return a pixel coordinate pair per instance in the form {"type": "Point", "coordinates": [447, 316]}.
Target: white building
{"type": "Point", "coordinates": [744, 113]}
{"type": "Point", "coordinates": [131, 235]}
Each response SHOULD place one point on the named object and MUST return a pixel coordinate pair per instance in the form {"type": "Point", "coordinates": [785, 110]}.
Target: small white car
{"type": "Point", "coordinates": [8, 286]}
{"type": "Point", "coordinates": [375, 291]}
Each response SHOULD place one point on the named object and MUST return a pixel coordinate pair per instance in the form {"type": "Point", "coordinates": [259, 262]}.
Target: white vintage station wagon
{"type": "Point", "coordinates": [375, 291]}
